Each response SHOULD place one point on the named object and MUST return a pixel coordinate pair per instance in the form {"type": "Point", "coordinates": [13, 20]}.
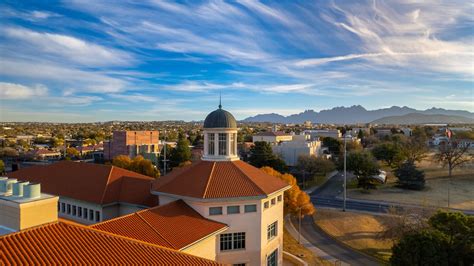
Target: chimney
{"type": "Point", "coordinates": [22, 205]}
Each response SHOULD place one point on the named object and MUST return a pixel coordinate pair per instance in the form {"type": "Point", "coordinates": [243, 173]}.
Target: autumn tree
{"type": "Point", "coordinates": [261, 155]}
{"type": "Point", "coordinates": [453, 154]}
{"type": "Point", "coordinates": [138, 165]}
{"type": "Point", "coordinates": [295, 199]}
{"type": "Point", "coordinates": [2, 167]}
{"type": "Point", "coordinates": [72, 153]}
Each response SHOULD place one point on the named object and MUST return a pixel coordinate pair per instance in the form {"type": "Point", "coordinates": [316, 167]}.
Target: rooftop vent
{"type": "Point", "coordinates": [32, 191]}
{"type": "Point", "coordinates": [18, 188]}
{"type": "Point", "coordinates": [6, 185]}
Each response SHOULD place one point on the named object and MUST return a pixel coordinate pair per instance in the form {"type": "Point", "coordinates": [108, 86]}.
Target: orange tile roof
{"type": "Point", "coordinates": [96, 183]}
{"type": "Point", "coordinates": [174, 225]}
{"type": "Point", "coordinates": [69, 244]}
{"type": "Point", "coordinates": [207, 179]}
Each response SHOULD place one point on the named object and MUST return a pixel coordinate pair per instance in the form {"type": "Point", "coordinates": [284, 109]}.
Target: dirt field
{"type": "Point", "coordinates": [461, 188]}
{"type": "Point", "coordinates": [356, 230]}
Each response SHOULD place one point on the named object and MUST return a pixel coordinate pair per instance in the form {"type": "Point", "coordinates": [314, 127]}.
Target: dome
{"type": "Point", "coordinates": [220, 118]}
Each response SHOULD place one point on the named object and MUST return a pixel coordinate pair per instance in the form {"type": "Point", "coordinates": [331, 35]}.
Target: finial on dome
{"type": "Point", "coordinates": [220, 100]}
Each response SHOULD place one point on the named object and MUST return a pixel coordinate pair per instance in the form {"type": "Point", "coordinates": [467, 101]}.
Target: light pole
{"type": "Point", "coordinates": [345, 171]}
{"type": "Point", "coordinates": [299, 225]}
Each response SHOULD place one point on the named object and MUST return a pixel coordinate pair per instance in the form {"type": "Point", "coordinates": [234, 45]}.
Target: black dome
{"type": "Point", "coordinates": [220, 118]}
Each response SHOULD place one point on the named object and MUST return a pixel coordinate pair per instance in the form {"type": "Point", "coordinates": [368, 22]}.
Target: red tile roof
{"type": "Point", "coordinates": [208, 179]}
{"type": "Point", "coordinates": [68, 244]}
{"type": "Point", "coordinates": [174, 225]}
{"type": "Point", "coordinates": [96, 183]}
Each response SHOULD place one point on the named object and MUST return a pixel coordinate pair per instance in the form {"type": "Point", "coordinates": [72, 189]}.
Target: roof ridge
{"type": "Point", "coordinates": [246, 176]}
{"type": "Point", "coordinates": [156, 231]}
{"type": "Point", "coordinates": [107, 183]}
{"type": "Point", "coordinates": [209, 179]}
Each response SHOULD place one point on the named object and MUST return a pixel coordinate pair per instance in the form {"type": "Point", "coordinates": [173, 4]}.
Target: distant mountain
{"type": "Point", "coordinates": [416, 118]}
{"type": "Point", "coordinates": [352, 115]}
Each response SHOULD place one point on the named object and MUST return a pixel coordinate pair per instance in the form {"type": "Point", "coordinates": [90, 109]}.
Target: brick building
{"type": "Point", "coordinates": [132, 143]}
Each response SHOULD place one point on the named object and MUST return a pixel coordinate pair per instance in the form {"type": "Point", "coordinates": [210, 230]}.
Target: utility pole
{"type": "Point", "coordinates": [299, 226]}
{"type": "Point", "coordinates": [345, 173]}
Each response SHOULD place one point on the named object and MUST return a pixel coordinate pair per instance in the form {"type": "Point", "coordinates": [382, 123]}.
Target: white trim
{"type": "Point", "coordinates": [205, 237]}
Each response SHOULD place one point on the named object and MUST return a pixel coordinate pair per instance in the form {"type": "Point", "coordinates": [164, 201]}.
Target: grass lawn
{"type": "Point", "coordinates": [292, 246]}
{"type": "Point", "coordinates": [356, 230]}
{"type": "Point", "coordinates": [435, 194]}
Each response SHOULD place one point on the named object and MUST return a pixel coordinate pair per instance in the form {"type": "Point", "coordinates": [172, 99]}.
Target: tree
{"type": "Point", "coordinates": [313, 165]}
{"type": "Point", "coordinates": [388, 152]}
{"type": "Point", "coordinates": [2, 167]}
{"type": "Point", "coordinates": [72, 153]}
{"type": "Point", "coordinates": [420, 248]}
{"type": "Point", "coordinates": [8, 152]}
{"type": "Point", "coordinates": [295, 199]}
{"type": "Point", "coordinates": [137, 165]}
{"type": "Point", "coordinates": [452, 154]}
{"type": "Point", "coordinates": [360, 134]}
{"type": "Point", "coordinates": [364, 166]}
{"type": "Point", "coordinates": [261, 155]}
{"type": "Point", "coordinates": [413, 149]}
{"type": "Point", "coordinates": [181, 153]}
{"type": "Point", "coordinates": [448, 240]}
{"type": "Point", "coordinates": [458, 229]}
{"type": "Point", "coordinates": [334, 146]}
{"type": "Point", "coordinates": [162, 157]}
{"type": "Point", "coordinates": [410, 177]}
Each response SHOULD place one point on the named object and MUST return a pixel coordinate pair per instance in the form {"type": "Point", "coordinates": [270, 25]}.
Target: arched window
{"type": "Point", "coordinates": [222, 144]}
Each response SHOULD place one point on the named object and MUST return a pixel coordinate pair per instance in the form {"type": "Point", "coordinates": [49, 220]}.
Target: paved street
{"type": "Point", "coordinates": [333, 248]}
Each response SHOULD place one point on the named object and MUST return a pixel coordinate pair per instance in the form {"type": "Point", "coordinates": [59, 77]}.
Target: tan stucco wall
{"type": "Point", "coordinates": [18, 216]}
{"type": "Point", "coordinates": [205, 248]}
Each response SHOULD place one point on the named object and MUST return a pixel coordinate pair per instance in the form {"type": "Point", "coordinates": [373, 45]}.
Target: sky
{"type": "Point", "coordinates": [87, 61]}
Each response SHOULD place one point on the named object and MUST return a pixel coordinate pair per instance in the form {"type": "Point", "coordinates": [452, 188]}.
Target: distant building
{"type": "Point", "coordinates": [91, 193]}
{"type": "Point", "coordinates": [406, 131]}
{"type": "Point", "coordinates": [307, 124]}
{"type": "Point", "coordinates": [300, 146]}
{"type": "Point", "coordinates": [382, 132]}
{"type": "Point", "coordinates": [272, 137]}
{"type": "Point", "coordinates": [323, 133]}
{"type": "Point", "coordinates": [133, 143]}
{"type": "Point", "coordinates": [43, 154]}
{"type": "Point", "coordinates": [355, 131]}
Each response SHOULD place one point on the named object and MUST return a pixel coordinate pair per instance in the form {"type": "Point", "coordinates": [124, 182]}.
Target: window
{"type": "Point", "coordinates": [251, 208]}
{"type": "Point", "coordinates": [265, 205]}
{"type": "Point", "coordinates": [97, 216]}
{"type": "Point", "coordinates": [91, 215]}
{"type": "Point", "coordinates": [232, 144]}
{"type": "Point", "coordinates": [273, 201]}
{"type": "Point", "coordinates": [63, 207]}
{"type": "Point", "coordinates": [238, 264]}
{"type": "Point", "coordinates": [279, 198]}
{"type": "Point", "coordinates": [222, 144]}
{"type": "Point", "coordinates": [86, 211]}
{"type": "Point", "coordinates": [79, 211]}
{"type": "Point", "coordinates": [210, 144]}
{"type": "Point", "coordinates": [272, 259]}
{"type": "Point", "coordinates": [272, 230]}
{"type": "Point", "coordinates": [69, 209]}
{"type": "Point", "coordinates": [215, 210]}
{"type": "Point", "coordinates": [233, 209]}
{"type": "Point", "coordinates": [74, 210]}
{"type": "Point", "coordinates": [232, 241]}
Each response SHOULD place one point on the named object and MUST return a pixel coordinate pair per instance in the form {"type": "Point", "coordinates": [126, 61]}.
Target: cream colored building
{"type": "Point", "coordinates": [272, 137]}
{"type": "Point", "coordinates": [222, 188]}
{"type": "Point", "coordinates": [301, 146]}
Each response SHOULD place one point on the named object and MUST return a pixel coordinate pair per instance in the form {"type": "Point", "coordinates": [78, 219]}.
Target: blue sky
{"type": "Point", "coordinates": [75, 61]}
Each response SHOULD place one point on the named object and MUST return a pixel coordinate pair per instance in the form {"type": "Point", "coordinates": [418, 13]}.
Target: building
{"type": "Point", "coordinates": [22, 205]}
{"type": "Point", "coordinates": [222, 188]}
{"type": "Point", "coordinates": [365, 131]}
{"type": "Point", "coordinates": [301, 145]}
{"type": "Point", "coordinates": [406, 131]}
{"type": "Point", "coordinates": [382, 132]}
{"type": "Point", "coordinates": [133, 143]}
{"type": "Point", "coordinates": [91, 193]}
{"type": "Point", "coordinates": [323, 133]}
{"type": "Point", "coordinates": [43, 154]}
{"type": "Point", "coordinates": [272, 137]}
{"type": "Point", "coordinates": [174, 225]}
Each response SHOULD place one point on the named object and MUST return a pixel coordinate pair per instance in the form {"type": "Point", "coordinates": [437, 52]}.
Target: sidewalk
{"type": "Point", "coordinates": [323, 255]}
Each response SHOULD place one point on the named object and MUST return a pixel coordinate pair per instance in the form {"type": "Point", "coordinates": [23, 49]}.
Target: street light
{"type": "Point", "coordinates": [345, 171]}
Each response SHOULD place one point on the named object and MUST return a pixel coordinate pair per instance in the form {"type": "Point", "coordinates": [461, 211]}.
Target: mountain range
{"type": "Point", "coordinates": [358, 114]}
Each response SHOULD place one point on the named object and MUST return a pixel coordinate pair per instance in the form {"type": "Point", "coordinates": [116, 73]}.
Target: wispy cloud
{"type": "Point", "coordinates": [18, 91]}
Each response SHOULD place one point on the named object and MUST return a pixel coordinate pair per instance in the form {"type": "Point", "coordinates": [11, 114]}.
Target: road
{"type": "Point", "coordinates": [329, 196]}
{"type": "Point", "coordinates": [332, 247]}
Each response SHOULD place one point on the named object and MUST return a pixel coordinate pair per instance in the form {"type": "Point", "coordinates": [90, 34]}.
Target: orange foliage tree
{"type": "Point", "coordinates": [295, 198]}
{"type": "Point", "coordinates": [138, 164]}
